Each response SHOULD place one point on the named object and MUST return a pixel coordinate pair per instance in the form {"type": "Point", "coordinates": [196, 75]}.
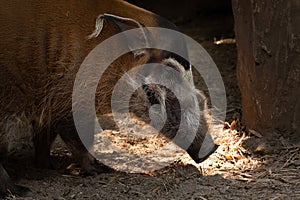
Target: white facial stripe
{"type": "Point", "coordinates": [173, 62]}
{"type": "Point", "coordinates": [187, 74]}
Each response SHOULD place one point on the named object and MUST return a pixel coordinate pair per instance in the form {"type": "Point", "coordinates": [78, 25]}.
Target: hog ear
{"type": "Point", "coordinates": [139, 39]}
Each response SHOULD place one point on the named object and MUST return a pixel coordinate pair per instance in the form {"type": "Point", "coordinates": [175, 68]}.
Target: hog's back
{"type": "Point", "coordinates": [42, 46]}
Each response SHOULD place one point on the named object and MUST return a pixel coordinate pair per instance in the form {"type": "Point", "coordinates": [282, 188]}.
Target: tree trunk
{"type": "Point", "coordinates": [268, 68]}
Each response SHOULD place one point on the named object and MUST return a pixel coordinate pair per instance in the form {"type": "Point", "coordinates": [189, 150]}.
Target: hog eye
{"type": "Point", "coordinates": [172, 66]}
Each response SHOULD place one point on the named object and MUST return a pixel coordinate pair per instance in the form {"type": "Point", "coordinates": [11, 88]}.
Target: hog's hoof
{"type": "Point", "coordinates": [89, 167]}
{"type": "Point", "coordinates": [24, 192]}
{"type": "Point", "coordinates": [17, 190]}
{"type": "Point", "coordinates": [95, 167]}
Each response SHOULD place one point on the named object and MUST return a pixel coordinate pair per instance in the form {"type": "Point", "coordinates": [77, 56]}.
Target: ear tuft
{"type": "Point", "coordinates": [124, 24]}
{"type": "Point", "coordinates": [139, 52]}
{"type": "Point", "coordinates": [98, 27]}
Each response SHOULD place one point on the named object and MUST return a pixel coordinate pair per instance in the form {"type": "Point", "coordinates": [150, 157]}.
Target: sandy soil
{"type": "Point", "coordinates": [233, 172]}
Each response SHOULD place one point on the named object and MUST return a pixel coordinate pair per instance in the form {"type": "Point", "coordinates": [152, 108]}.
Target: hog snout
{"type": "Point", "coordinates": [190, 123]}
{"type": "Point", "coordinates": [203, 144]}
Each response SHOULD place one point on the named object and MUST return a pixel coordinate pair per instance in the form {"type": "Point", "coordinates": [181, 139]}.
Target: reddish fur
{"type": "Point", "coordinates": [42, 46]}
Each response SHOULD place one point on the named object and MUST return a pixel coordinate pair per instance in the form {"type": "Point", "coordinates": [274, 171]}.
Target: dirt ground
{"type": "Point", "coordinates": [234, 171]}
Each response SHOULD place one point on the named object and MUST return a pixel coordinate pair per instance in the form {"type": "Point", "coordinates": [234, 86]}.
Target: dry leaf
{"type": "Point", "coordinates": [228, 157]}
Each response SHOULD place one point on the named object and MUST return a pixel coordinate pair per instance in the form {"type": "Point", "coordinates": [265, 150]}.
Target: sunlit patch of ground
{"type": "Point", "coordinates": [275, 176]}
{"type": "Point", "coordinates": [138, 148]}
